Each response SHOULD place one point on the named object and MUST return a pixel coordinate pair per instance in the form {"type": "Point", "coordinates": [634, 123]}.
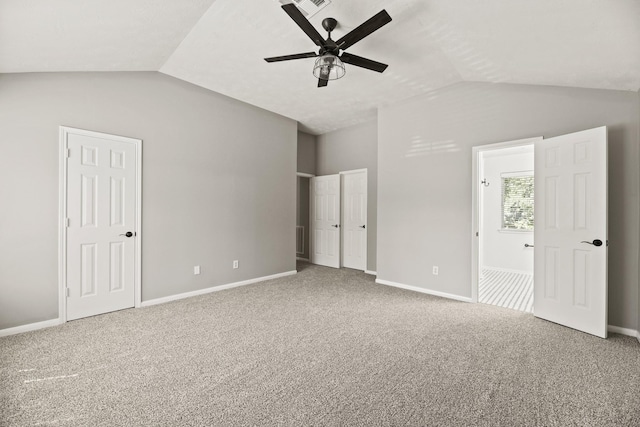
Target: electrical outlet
{"type": "Point", "coordinates": [196, 269]}
{"type": "Point", "coordinates": [235, 263]}
{"type": "Point", "coordinates": [435, 270]}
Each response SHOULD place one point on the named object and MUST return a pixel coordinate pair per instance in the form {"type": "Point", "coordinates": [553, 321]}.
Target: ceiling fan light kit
{"type": "Point", "coordinates": [329, 64]}
{"type": "Point", "coordinates": [329, 67]}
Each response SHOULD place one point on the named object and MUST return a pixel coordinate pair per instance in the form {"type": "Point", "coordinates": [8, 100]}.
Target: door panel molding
{"type": "Point", "coordinates": [324, 221]}
{"type": "Point", "coordinates": [354, 216]}
{"type": "Point", "coordinates": [570, 218]}
{"type": "Point", "coordinates": [89, 158]}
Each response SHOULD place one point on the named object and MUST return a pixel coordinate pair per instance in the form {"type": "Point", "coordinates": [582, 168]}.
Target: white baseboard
{"type": "Point", "coordinates": [214, 289]}
{"type": "Point", "coordinates": [424, 291]}
{"type": "Point", "coordinates": [373, 273]}
{"type": "Point", "coordinates": [30, 327]}
{"type": "Point", "coordinates": [638, 335]}
{"type": "Point", "coordinates": [623, 331]}
{"type": "Point", "coordinates": [302, 259]}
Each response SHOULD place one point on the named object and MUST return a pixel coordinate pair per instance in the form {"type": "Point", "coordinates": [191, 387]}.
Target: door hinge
{"type": "Point", "coordinates": [68, 222]}
{"type": "Point", "coordinates": [68, 153]}
{"type": "Point", "coordinates": [68, 292]}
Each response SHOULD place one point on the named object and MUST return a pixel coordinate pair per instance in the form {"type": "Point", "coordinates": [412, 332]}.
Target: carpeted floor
{"type": "Point", "coordinates": [323, 347]}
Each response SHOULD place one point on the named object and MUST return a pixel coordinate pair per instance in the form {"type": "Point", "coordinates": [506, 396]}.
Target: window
{"type": "Point", "coordinates": [517, 201]}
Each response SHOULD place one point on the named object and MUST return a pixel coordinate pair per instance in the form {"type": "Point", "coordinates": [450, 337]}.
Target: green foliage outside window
{"type": "Point", "coordinates": [517, 203]}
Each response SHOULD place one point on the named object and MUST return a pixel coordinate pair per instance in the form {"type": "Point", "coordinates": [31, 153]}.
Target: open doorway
{"type": "Point", "coordinates": [504, 186]}
{"type": "Point", "coordinates": [302, 216]}
{"type": "Point", "coordinates": [570, 254]}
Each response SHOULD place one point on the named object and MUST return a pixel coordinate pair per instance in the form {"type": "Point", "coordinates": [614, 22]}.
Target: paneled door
{"type": "Point", "coordinates": [325, 220]}
{"type": "Point", "coordinates": [570, 230]}
{"type": "Point", "coordinates": [101, 235]}
{"type": "Point", "coordinates": [354, 229]}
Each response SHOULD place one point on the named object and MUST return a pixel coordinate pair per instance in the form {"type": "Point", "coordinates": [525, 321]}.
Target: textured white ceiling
{"type": "Point", "coordinates": [220, 45]}
{"type": "Point", "coordinates": [93, 35]}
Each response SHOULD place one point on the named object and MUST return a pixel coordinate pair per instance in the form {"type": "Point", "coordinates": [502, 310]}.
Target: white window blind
{"type": "Point", "coordinates": [517, 201]}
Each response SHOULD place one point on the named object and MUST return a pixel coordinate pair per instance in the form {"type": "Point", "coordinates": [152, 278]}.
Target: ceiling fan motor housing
{"type": "Point", "coordinates": [329, 24]}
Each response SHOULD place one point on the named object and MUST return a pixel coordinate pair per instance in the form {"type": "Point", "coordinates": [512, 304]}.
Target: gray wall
{"type": "Point", "coordinates": [352, 148]}
{"type": "Point", "coordinates": [424, 189]}
{"type": "Point", "coordinates": [217, 183]}
{"type": "Point", "coordinates": [306, 164]}
{"type": "Point", "coordinates": [306, 153]}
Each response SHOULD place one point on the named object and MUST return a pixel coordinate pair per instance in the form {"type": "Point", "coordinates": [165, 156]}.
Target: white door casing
{"type": "Point", "coordinates": [100, 205]}
{"type": "Point", "coordinates": [570, 279]}
{"type": "Point", "coordinates": [325, 220]}
{"type": "Point", "coordinates": [354, 224]}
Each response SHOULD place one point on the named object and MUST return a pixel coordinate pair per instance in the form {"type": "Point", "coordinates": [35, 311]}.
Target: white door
{"type": "Point", "coordinates": [570, 280]}
{"type": "Point", "coordinates": [101, 234]}
{"type": "Point", "coordinates": [354, 224]}
{"type": "Point", "coordinates": [325, 220]}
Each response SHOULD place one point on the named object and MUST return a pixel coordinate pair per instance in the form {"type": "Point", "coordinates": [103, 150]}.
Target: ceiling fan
{"type": "Point", "coordinates": [329, 65]}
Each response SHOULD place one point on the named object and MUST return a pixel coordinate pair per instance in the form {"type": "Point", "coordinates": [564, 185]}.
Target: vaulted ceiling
{"type": "Point", "coordinates": [430, 44]}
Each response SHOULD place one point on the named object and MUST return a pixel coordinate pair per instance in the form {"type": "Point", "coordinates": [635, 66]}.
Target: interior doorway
{"type": "Point", "coordinates": [302, 216]}
{"type": "Point", "coordinates": [505, 204]}
{"type": "Point", "coordinates": [570, 255]}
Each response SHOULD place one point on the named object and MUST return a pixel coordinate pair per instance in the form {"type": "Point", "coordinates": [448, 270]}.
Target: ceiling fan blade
{"type": "Point", "coordinates": [289, 57]}
{"type": "Point", "coordinates": [295, 14]}
{"type": "Point", "coordinates": [322, 82]}
{"type": "Point", "coordinates": [374, 23]}
{"type": "Point", "coordinates": [359, 61]}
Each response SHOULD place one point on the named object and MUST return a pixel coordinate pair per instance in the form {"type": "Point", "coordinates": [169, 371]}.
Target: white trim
{"type": "Point", "coordinates": [62, 220]}
{"type": "Point", "coordinates": [623, 331]}
{"type": "Point", "coordinates": [475, 211]}
{"type": "Point", "coordinates": [302, 259]}
{"type": "Point", "coordinates": [516, 174]}
{"type": "Point", "coordinates": [423, 290]}
{"type": "Point", "coordinates": [638, 335]}
{"type": "Point", "coordinates": [30, 327]}
{"type": "Point", "coordinates": [373, 273]}
{"type": "Point", "coordinates": [62, 226]}
{"type": "Point", "coordinates": [304, 175]}
{"type": "Point", "coordinates": [214, 289]}
{"type": "Point", "coordinates": [138, 255]}
{"type": "Point", "coordinates": [353, 171]}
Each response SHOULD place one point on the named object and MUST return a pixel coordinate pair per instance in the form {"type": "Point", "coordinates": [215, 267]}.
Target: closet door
{"type": "Point", "coordinates": [325, 220]}
{"type": "Point", "coordinates": [354, 230]}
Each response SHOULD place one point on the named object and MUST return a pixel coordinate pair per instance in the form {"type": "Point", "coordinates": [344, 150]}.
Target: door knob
{"type": "Point", "coordinates": [526, 245]}
{"type": "Point", "coordinates": [596, 242]}
{"type": "Point", "coordinates": [362, 226]}
{"type": "Point", "coordinates": [336, 225]}
{"type": "Point", "coordinates": [127, 234]}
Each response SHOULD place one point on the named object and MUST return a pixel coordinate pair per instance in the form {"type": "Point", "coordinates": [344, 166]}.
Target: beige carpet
{"type": "Point", "coordinates": [324, 347]}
